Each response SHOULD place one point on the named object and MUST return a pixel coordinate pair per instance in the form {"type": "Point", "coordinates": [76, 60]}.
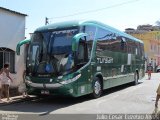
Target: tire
{"type": "Point", "coordinates": [97, 88]}
{"type": "Point", "coordinates": [136, 77]}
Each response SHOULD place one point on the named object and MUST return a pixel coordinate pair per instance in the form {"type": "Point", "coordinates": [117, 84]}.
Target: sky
{"type": "Point", "coordinates": [120, 14]}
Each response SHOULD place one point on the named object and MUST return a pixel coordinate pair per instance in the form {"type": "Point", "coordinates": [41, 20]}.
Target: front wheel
{"type": "Point", "coordinates": [97, 88]}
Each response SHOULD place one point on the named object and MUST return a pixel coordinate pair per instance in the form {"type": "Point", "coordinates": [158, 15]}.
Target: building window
{"type": "Point", "coordinates": [151, 47]}
{"type": "Point", "coordinates": [155, 48]}
{"type": "Point", "coordinates": [7, 56]}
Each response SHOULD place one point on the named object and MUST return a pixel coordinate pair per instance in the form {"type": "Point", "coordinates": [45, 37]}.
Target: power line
{"type": "Point", "coordinates": [96, 10]}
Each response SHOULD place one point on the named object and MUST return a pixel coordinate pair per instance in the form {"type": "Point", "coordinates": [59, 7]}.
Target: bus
{"type": "Point", "coordinates": [76, 58]}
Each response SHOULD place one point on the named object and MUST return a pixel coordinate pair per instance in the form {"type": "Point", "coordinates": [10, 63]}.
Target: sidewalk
{"type": "Point", "coordinates": [16, 99]}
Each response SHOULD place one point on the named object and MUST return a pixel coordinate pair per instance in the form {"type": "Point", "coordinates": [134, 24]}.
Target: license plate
{"type": "Point", "coordinates": [45, 92]}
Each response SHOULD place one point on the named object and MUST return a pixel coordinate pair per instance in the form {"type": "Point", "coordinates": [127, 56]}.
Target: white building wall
{"type": "Point", "coordinates": [12, 30]}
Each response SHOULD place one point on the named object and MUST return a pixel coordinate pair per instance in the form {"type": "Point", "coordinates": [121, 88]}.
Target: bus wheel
{"type": "Point", "coordinates": [97, 88]}
{"type": "Point", "coordinates": [136, 78]}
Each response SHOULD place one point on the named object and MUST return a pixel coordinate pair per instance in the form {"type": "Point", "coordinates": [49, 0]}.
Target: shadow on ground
{"type": "Point", "coordinates": [46, 105]}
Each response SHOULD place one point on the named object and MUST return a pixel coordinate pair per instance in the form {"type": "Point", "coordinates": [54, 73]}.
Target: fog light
{"type": "Point", "coordinates": [71, 90]}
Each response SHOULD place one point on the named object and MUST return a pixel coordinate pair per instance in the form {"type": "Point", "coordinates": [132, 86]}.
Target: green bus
{"type": "Point", "coordinates": [76, 58]}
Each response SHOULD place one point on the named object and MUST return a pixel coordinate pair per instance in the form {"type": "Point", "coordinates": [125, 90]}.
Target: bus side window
{"type": "Point", "coordinates": [81, 52]}
{"type": "Point", "coordinates": [123, 44]}
{"type": "Point", "coordinates": [90, 30]}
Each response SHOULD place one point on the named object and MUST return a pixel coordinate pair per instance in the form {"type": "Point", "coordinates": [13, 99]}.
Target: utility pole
{"type": "Point", "coordinates": [46, 21]}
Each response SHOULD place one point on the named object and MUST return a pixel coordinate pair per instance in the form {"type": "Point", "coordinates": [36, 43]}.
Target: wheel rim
{"type": "Point", "coordinates": [97, 87]}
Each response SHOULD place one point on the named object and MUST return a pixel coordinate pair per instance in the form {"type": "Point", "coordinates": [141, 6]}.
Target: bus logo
{"type": "Point", "coordinates": [105, 60]}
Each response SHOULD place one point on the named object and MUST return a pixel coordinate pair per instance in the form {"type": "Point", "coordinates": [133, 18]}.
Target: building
{"type": "Point", "coordinates": [12, 30]}
{"type": "Point", "coordinates": [142, 29]}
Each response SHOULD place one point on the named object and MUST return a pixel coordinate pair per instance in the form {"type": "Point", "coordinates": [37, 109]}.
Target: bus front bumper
{"type": "Point", "coordinates": [44, 85]}
{"type": "Point", "coordinates": [51, 89]}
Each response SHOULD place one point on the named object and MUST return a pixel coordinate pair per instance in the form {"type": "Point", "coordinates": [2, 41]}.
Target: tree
{"type": "Point", "coordinates": [158, 23]}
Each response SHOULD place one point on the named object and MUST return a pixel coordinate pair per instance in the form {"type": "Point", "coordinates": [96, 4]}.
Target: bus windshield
{"type": "Point", "coordinates": [61, 41]}
{"type": "Point", "coordinates": [51, 52]}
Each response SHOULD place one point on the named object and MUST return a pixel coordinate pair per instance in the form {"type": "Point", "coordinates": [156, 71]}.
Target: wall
{"type": "Point", "coordinates": [12, 30]}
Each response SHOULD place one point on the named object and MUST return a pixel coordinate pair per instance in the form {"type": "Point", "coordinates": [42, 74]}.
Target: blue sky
{"type": "Point", "coordinates": [120, 14]}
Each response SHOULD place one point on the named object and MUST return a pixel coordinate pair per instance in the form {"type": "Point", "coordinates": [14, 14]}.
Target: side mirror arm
{"type": "Point", "coordinates": [26, 41]}
{"type": "Point", "coordinates": [76, 39]}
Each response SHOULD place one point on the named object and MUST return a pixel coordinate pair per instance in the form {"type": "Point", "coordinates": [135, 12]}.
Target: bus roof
{"type": "Point", "coordinates": [67, 24]}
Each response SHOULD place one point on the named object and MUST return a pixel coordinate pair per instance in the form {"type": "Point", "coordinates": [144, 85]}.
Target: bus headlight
{"type": "Point", "coordinates": [71, 80]}
{"type": "Point", "coordinates": [71, 90]}
{"type": "Point", "coordinates": [27, 80]}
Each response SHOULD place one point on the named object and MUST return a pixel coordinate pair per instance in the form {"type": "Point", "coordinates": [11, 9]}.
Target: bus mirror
{"type": "Point", "coordinates": [76, 39]}
{"type": "Point", "coordinates": [26, 41]}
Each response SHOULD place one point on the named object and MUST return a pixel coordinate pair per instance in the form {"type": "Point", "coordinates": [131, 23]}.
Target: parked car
{"type": "Point", "coordinates": [158, 69]}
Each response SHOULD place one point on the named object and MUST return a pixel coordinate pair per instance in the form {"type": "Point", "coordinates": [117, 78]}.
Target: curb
{"type": "Point", "coordinates": [17, 99]}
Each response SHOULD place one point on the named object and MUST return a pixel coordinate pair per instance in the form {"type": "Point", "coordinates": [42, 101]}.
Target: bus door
{"type": "Point", "coordinates": [84, 66]}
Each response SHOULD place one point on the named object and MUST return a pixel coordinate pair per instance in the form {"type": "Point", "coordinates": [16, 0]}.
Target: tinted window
{"type": "Point", "coordinates": [90, 30]}
{"type": "Point", "coordinates": [61, 41]}
{"type": "Point", "coordinates": [123, 44]}
{"type": "Point", "coordinates": [107, 40]}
